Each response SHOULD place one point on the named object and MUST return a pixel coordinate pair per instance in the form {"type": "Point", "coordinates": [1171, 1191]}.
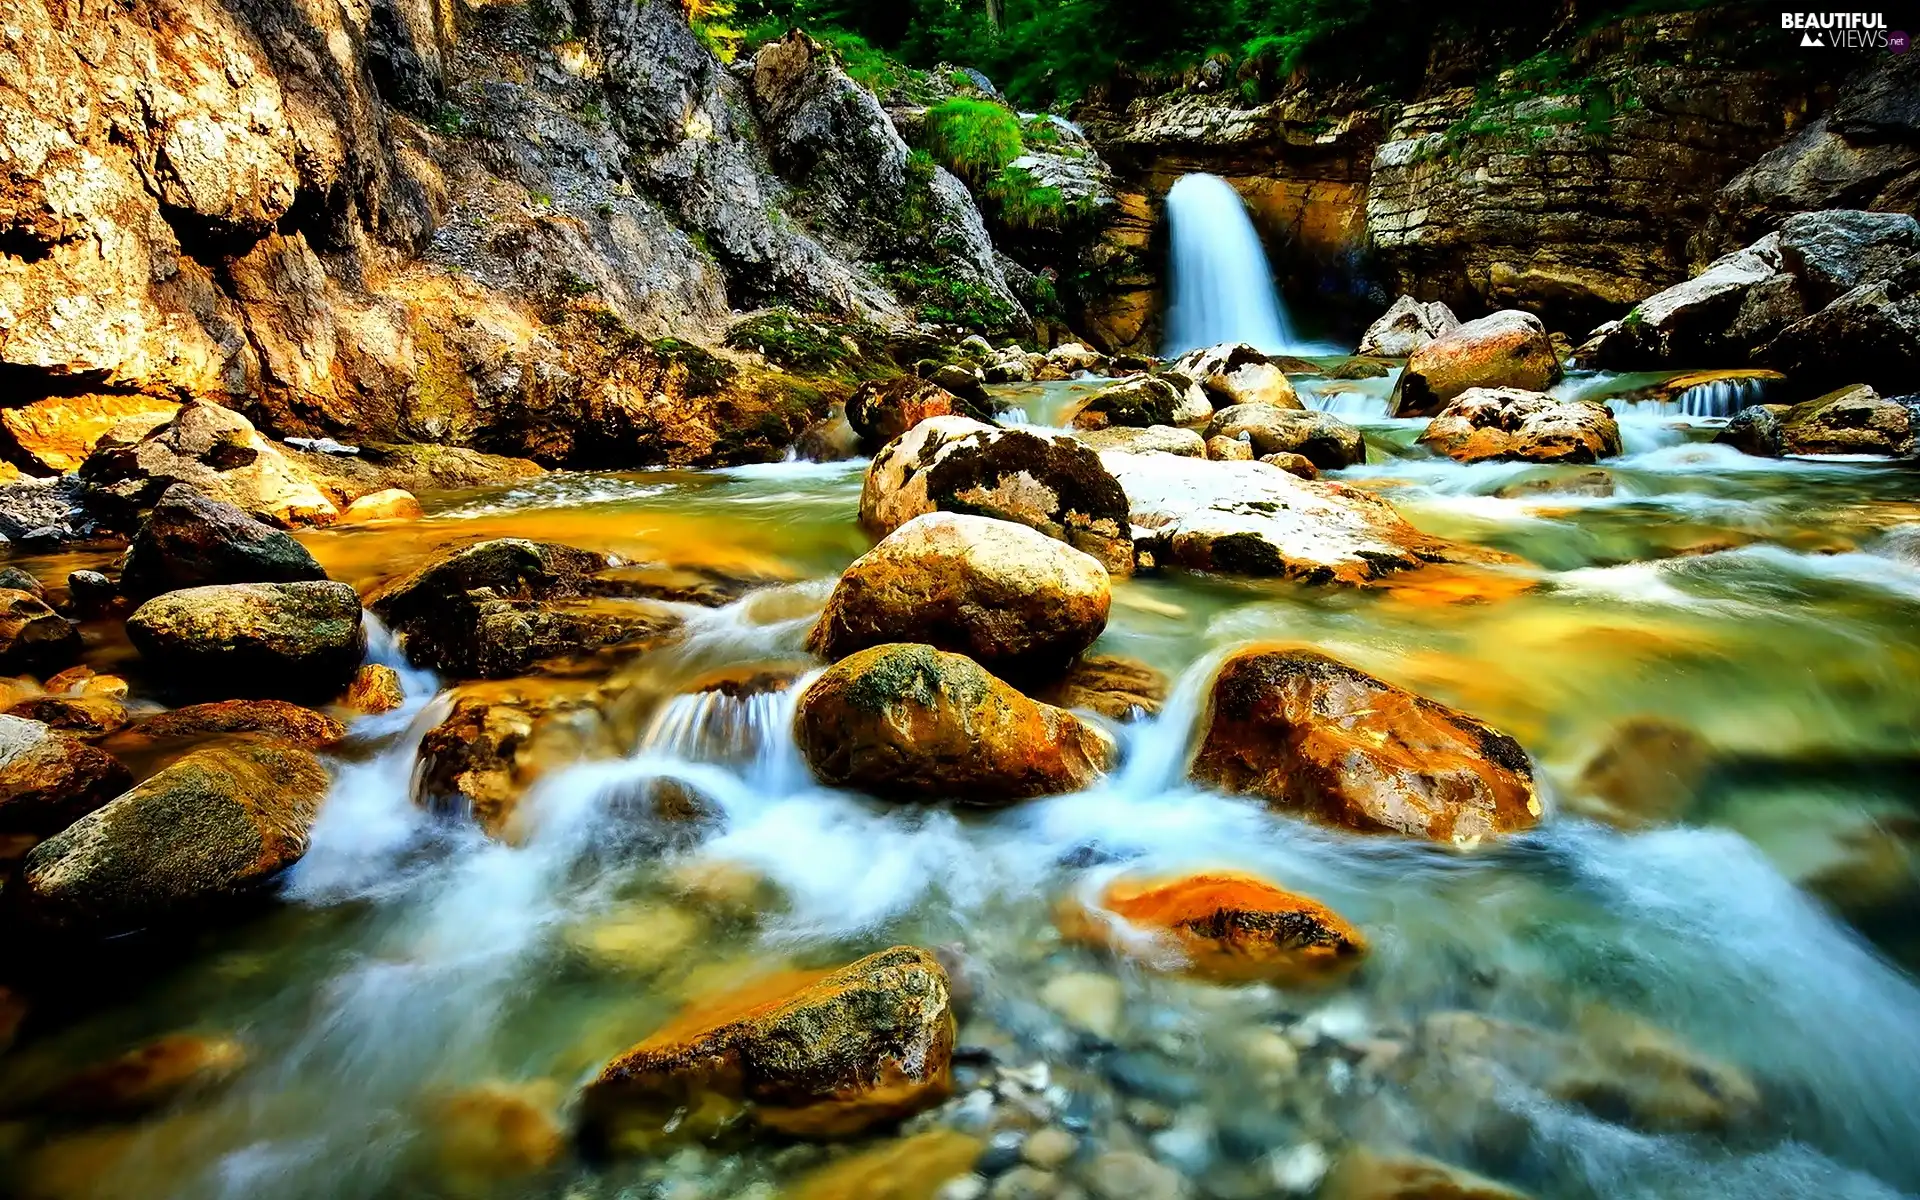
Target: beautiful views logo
{"type": "Point", "coordinates": [1844, 31]}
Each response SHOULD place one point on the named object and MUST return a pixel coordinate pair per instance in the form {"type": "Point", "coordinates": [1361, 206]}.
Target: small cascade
{"type": "Point", "coordinates": [1349, 404]}
{"type": "Point", "coordinates": [1220, 287]}
{"type": "Point", "coordinates": [748, 733]}
{"type": "Point", "coordinates": [1720, 398]}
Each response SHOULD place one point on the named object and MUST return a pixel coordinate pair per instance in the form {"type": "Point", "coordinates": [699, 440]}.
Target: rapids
{"type": "Point", "coordinates": [1760, 603]}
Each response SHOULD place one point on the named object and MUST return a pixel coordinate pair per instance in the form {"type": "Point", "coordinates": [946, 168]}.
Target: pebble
{"type": "Point", "coordinates": [1251, 1130]}
{"type": "Point", "coordinates": [1088, 1002]}
{"type": "Point", "coordinates": [1187, 1143]}
{"type": "Point", "coordinates": [1298, 1170]}
{"type": "Point", "coordinates": [1335, 1022]}
{"type": "Point", "coordinates": [1145, 1114]}
{"type": "Point", "coordinates": [1026, 1183]}
{"type": "Point", "coordinates": [1002, 1153]}
{"type": "Point", "coordinates": [962, 1187]}
{"type": "Point", "coordinates": [1153, 1077]}
{"type": "Point", "coordinates": [1050, 1148]}
{"type": "Point", "coordinates": [1270, 1053]}
{"type": "Point", "coordinates": [1119, 1175]}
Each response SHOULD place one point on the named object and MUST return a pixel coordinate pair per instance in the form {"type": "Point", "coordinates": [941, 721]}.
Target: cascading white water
{"type": "Point", "coordinates": [1220, 287]}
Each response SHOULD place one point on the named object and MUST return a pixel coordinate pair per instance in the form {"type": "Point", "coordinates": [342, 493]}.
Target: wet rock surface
{"type": "Point", "coordinates": [913, 723]}
{"type": "Point", "coordinates": [1316, 737]}
{"type": "Point", "coordinates": [49, 779]}
{"type": "Point", "coordinates": [1143, 402]}
{"type": "Point", "coordinates": [1407, 326]}
{"type": "Point", "coordinates": [188, 540]}
{"type": "Point", "coordinates": [1321, 438]}
{"type": "Point", "coordinates": [1007, 596]}
{"type": "Point", "coordinates": [277, 719]}
{"type": "Point", "coordinates": [1238, 374]}
{"type": "Point", "coordinates": [256, 639]}
{"type": "Point", "coordinates": [1487, 424]}
{"type": "Point", "coordinates": [1853, 420]}
{"type": "Point", "coordinates": [1508, 349]}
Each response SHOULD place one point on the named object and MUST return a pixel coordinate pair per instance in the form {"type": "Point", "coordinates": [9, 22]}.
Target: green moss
{"type": "Point", "coordinates": [800, 344]}
{"type": "Point", "coordinates": [706, 373]}
{"type": "Point", "coordinates": [945, 298]}
{"type": "Point", "coordinates": [975, 139]}
{"type": "Point", "coordinates": [1021, 202]}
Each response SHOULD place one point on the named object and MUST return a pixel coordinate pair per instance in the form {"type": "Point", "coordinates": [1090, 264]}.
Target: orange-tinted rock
{"type": "Point", "coordinates": [1366, 1175]}
{"type": "Point", "coordinates": [85, 681]}
{"type": "Point", "coordinates": [1226, 925]}
{"type": "Point", "coordinates": [32, 636]}
{"type": "Point", "coordinates": [390, 504]}
{"type": "Point", "coordinates": [1489, 424]}
{"type": "Point", "coordinates": [58, 433]}
{"type": "Point", "coordinates": [149, 1077]}
{"type": "Point", "coordinates": [278, 719]}
{"type": "Point", "coordinates": [1119, 689]}
{"type": "Point", "coordinates": [1318, 738]}
{"type": "Point", "coordinates": [82, 716]}
{"type": "Point", "coordinates": [881, 412]}
{"type": "Point", "coordinates": [809, 1054]}
{"type": "Point", "coordinates": [498, 1131]}
{"type": "Point", "coordinates": [375, 689]}
{"type": "Point", "coordinates": [1221, 448]}
{"type": "Point", "coordinates": [912, 1168]}
{"type": "Point", "coordinates": [499, 739]}
{"type": "Point", "coordinates": [1648, 772]}
{"type": "Point", "coordinates": [912, 723]}
{"type": "Point", "coordinates": [48, 780]}
{"type": "Point", "coordinates": [1298, 465]}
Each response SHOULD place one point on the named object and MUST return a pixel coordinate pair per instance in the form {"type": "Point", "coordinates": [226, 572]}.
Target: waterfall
{"type": "Point", "coordinates": [1221, 289]}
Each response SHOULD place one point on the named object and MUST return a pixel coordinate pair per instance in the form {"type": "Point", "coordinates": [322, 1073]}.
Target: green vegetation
{"type": "Point", "coordinates": [947, 299]}
{"type": "Point", "coordinates": [1046, 53]}
{"type": "Point", "coordinates": [706, 373]}
{"type": "Point", "coordinates": [975, 139]}
{"type": "Point", "coordinates": [803, 345]}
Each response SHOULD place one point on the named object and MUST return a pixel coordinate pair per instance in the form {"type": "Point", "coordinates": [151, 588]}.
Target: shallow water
{"type": "Point", "coordinates": [1760, 604]}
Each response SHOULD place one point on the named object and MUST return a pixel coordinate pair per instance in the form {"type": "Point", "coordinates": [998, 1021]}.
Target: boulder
{"type": "Point", "coordinates": [1155, 439]}
{"type": "Point", "coordinates": [218, 453]}
{"type": "Point", "coordinates": [500, 738]}
{"type": "Point", "coordinates": [1508, 349]}
{"type": "Point", "coordinates": [1052, 484]}
{"type": "Point", "coordinates": [1238, 374]}
{"type": "Point", "coordinates": [188, 540]}
{"type": "Point", "coordinates": [376, 688]}
{"type": "Point", "coordinates": [18, 579]}
{"type": "Point", "coordinates": [1297, 465]}
{"type": "Point", "coordinates": [1756, 431]}
{"type": "Point", "coordinates": [1249, 518]}
{"type": "Point", "coordinates": [49, 780]}
{"type": "Point", "coordinates": [148, 1077]}
{"type": "Point", "coordinates": [1224, 926]}
{"type": "Point", "coordinates": [56, 434]}
{"type": "Point", "coordinates": [1009, 597]}
{"type": "Point", "coordinates": [1409, 325]}
{"type": "Point", "coordinates": [208, 830]}
{"type": "Point", "coordinates": [32, 636]}
{"type": "Point", "coordinates": [1487, 424]}
{"type": "Point", "coordinates": [1119, 689]}
{"type": "Point", "coordinates": [1836, 250]}
{"type": "Point", "coordinates": [805, 1054]}
{"type": "Point", "coordinates": [908, 722]}
{"type": "Point", "coordinates": [1076, 357]}
{"type": "Point", "coordinates": [1870, 334]}
{"type": "Point", "coordinates": [388, 504]}
{"type": "Point", "coordinates": [277, 719]}
{"type": "Point", "coordinates": [881, 412]}
{"type": "Point", "coordinates": [1229, 449]}
{"type": "Point", "coordinates": [1321, 438]}
{"type": "Point", "coordinates": [1852, 420]}
{"type": "Point", "coordinates": [253, 639]}
{"type": "Point", "coordinates": [1316, 737]}
{"type": "Point", "coordinates": [490, 611]}
{"type": "Point", "coordinates": [88, 717]}
{"type": "Point", "coordinates": [1144, 401]}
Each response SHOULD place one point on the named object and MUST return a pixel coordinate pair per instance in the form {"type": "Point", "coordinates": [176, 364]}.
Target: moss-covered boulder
{"type": "Point", "coordinates": [253, 639]}
{"type": "Point", "coordinates": [188, 540]}
{"type": "Point", "coordinates": [1145, 401]}
{"type": "Point", "coordinates": [1322, 438]}
{"type": "Point", "coordinates": [1316, 737]}
{"type": "Point", "coordinates": [1052, 484]}
{"type": "Point", "coordinates": [33, 637]}
{"type": "Point", "coordinates": [807, 1054]}
{"type": "Point", "coordinates": [48, 779]}
{"type": "Point", "coordinates": [909, 722]}
{"type": "Point", "coordinates": [203, 833]}
{"type": "Point", "coordinates": [1219, 925]}
{"type": "Point", "coordinates": [1495, 424]}
{"type": "Point", "coordinates": [1852, 420]}
{"type": "Point", "coordinates": [1005, 595]}
{"type": "Point", "coordinates": [1508, 349]}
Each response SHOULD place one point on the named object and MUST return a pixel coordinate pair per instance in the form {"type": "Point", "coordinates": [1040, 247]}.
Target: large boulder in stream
{"type": "Point", "coordinates": [908, 722]}
{"type": "Point", "coordinates": [881, 412]}
{"type": "Point", "coordinates": [289, 640]}
{"type": "Point", "coordinates": [1487, 424]}
{"type": "Point", "coordinates": [1316, 737]}
{"type": "Point", "coordinates": [1407, 327]}
{"type": "Point", "coordinates": [1236, 373]}
{"type": "Point", "coordinates": [802, 1053]}
{"type": "Point", "coordinates": [1154, 439]}
{"type": "Point", "coordinates": [189, 540]}
{"type": "Point", "coordinates": [1007, 596]}
{"type": "Point", "coordinates": [218, 453]}
{"type": "Point", "coordinates": [1144, 401]}
{"type": "Point", "coordinates": [1052, 484]}
{"type": "Point", "coordinates": [1507, 349]}
{"type": "Point", "coordinates": [1853, 420]}
{"type": "Point", "coordinates": [49, 779]}
{"type": "Point", "coordinates": [207, 831]}
{"type": "Point", "coordinates": [1321, 438]}
{"type": "Point", "coordinates": [492, 610]}
{"type": "Point", "coordinates": [1252, 518]}
{"type": "Point", "coordinates": [1756, 431]}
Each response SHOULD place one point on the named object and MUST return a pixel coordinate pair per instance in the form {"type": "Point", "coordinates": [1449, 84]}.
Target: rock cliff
{"type": "Point", "coordinates": [488, 225]}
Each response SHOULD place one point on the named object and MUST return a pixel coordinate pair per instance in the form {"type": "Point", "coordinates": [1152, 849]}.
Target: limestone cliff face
{"type": "Point", "coordinates": [1570, 187]}
{"type": "Point", "coordinates": [440, 220]}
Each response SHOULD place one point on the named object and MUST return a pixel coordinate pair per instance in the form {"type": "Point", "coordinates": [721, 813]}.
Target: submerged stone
{"type": "Point", "coordinates": [908, 722]}
{"type": "Point", "coordinates": [150, 1077]}
{"type": "Point", "coordinates": [807, 1054]}
{"type": "Point", "coordinates": [1315, 737]}
{"type": "Point", "coordinates": [1220, 925]}
{"type": "Point", "coordinates": [498, 1131]}
{"type": "Point", "coordinates": [1005, 595]}
{"type": "Point", "coordinates": [911, 1168]}
{"type": "Point", "coordinates": [1363, 1174]}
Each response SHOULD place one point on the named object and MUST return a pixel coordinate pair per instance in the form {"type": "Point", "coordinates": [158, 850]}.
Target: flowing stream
{"type": "Point", "coordinates": [1771, 607]}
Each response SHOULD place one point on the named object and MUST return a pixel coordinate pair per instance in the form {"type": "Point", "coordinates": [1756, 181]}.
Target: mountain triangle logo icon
{"type": "Point", "coordinates": [1808, 39]}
